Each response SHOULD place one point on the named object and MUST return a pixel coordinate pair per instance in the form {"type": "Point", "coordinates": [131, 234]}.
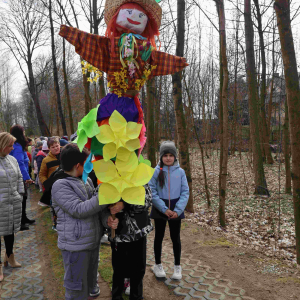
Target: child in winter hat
{"type": "Point", "coordinates": [167, 147]}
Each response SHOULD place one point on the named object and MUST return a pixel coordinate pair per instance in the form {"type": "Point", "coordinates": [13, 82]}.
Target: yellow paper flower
{"type": "Point", "coordinates": [119, 137]}
{"type": "Point", "coordinates": [122, 180]}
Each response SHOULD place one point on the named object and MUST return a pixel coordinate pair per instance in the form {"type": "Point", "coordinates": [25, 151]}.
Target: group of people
{"type": "Point", "coordinates": [79, 219]}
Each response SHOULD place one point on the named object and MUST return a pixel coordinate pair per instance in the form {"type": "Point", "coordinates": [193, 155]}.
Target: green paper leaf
{"type": "Point", "coordinates": [82, 140]}
{"type": "Point", "coordinates": [87, 127]}
{"type": "Point", "coordinates": [144, 161]}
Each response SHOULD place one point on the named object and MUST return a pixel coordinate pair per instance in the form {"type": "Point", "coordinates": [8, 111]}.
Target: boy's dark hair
{"type": "Point", "coordinates": [18, 132]}
{"type": "Point", "coordinates": [71, 156]}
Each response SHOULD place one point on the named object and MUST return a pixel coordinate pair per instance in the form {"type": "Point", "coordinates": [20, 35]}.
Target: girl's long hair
{"type": "Point", "coordinates": [161, 176]}
{"type": "Point", "coordinates": [18, 132]}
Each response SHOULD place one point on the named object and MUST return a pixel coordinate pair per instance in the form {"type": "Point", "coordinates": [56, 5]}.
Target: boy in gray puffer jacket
{"type": "Point", "coordinates": [79, 230]}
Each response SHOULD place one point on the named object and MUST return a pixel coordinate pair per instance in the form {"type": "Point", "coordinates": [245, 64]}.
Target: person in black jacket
{"type": "Point", "coordinates": [129, 246]}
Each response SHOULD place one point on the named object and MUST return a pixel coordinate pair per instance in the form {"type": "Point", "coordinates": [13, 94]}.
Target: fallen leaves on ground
{"type": "Point", "coordinates": [265, 224]}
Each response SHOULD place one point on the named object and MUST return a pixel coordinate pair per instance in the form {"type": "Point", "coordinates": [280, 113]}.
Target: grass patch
{"type": "Point", "coordinates": [105, 267]}
{"type": "Point", "coordinates": [184, 225]}
{"type": "Point", "coordinates": [221, 242]}
{"type": "Point", "coordinates": [288, 280]}
{"type": "Point", "coordinates": [49, 238]}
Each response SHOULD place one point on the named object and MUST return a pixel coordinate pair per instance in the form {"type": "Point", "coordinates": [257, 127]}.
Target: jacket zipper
{"type": "Point", "coordinates": [169, 187]}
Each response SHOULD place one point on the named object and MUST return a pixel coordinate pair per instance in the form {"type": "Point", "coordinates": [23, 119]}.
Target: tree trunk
{"type": "Point", "coordinates": [87, 96]}
{"type": "Point", "coordinates": [66, 82]}
{"type": "Point", "coordinates": [258, 168]}
{"type": "Point", "coordinates": [177, 97]}
{"type": "Point", "coordinates": [286, 142]}
{"type": "Point", "coordinates": [224, 134]}
{"type": "Point", "coordinates": [157, 115]}
{"type": "Point", "coordinates": [96, 23]}
{"type": "Point", "coordinates": [200, 146]}
{"type": "Point", "coordinates": [57, 118]}
{"type": "Point", "coordinates": [265, 134]}
{"type": "Point", "coordinates": [150, 122]}
{"type": "Point", "coordinates": [32, 87]}
{"type": "Point", "coordinates": [55, 74]}
{"type": "Point", "coordinates": [282, 9]}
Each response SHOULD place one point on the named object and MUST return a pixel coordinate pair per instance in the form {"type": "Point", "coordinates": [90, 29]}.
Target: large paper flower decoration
{"type": "Point", "coordinates": [122, 180]}
{"type": "Point", "coordinates": [120, 138]}
{"type": "Point", "coordinates": [87, 127]}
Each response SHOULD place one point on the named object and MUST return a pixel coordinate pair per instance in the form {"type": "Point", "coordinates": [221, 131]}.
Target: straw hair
{"type": "Point", "coordinates": [5, 139]}
{"type": "Point", "coordinates": [152, 8]}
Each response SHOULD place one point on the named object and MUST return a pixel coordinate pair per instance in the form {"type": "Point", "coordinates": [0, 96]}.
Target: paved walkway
{"type": "Point", "coordinates": [25, 282]}
{"type": "Point", "coordinates": [198, 282]}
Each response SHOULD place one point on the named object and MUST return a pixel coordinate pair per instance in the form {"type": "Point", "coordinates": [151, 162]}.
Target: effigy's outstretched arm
{"type": "Point", "coordinates": [91, 47]}
{"type": "Point", "coordinates": [166, 63]}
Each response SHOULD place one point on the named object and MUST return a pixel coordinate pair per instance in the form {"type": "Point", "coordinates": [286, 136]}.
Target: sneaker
{"type": "Point", "coordinates": [177, 273]}
{"type": "Point", "coordinates": [42, 204]}
{"type": "Point", "coordinates": [158, 271]}
{"type": "Point", "coordinates": [54, 228]}
{"type": "Point", "coordinates": [127, 286]}
{"type": "Point", "coordinates": [104, 239]}
{"type": "Point", "coordinates": [127, 291]}
{"type": "Point", "coordinates": [95, 292]}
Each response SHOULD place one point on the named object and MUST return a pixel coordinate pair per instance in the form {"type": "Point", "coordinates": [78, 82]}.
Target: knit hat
{"type": "Point", "coordinates": [152, 8]}
{"type": "Point", "coordinates": [167, 147]}
{"type": "Point", "coordinates": [63, 142]}
{"type": "Point", "coordinates": [45, 146]}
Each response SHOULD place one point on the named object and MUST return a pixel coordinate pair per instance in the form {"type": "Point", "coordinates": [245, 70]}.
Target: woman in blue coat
{"type": "Point", "coordinates": [170, 194]}
{"type": "Point", "coordinates": [20, 155]}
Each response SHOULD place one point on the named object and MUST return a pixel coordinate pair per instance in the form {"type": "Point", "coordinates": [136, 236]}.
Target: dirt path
{"type": "Point", "coordinates": [260, 277]}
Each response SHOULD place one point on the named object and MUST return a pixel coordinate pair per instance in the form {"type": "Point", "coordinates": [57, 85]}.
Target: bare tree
{"type": "Point", "coordinates": [258, 168]}
{"type": "Point", "coordinates": [177, 97]}
{"type": "Point", "coordinates": [282, 8]}
{"type": "Point", "coordinates": [55, 72]}
{"type": "Point", "coordinates": [23, 32]}
{"type": "Point", "coordinates": [223, 113]}
{"type": "Point", "coordinates": [265, 134]}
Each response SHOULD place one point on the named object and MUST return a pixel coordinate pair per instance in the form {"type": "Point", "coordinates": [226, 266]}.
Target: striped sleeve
{"type": "Point", "coordinates": [91, 47]}
{"type": "Point", "coordinates": [167, 63]}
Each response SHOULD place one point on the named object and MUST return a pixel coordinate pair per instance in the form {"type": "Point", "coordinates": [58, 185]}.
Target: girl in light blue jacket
{"type": "Point", "coordinates": [170, 194]}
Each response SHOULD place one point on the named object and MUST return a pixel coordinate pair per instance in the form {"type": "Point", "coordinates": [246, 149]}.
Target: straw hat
{"type": "Point", "coordinates": [150, 6]}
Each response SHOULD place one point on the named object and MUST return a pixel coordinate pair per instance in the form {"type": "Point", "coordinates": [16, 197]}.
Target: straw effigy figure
{"type": "Point", "coordinates": [114, 131]}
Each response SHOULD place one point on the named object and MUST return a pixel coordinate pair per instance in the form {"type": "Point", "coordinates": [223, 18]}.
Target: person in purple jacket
{"type": "Point", "coordinates": [20, 155]}
{"type": "Point", "coordinates": [170, 194]}
{"type": "Point", "coordinates": [78, 224]}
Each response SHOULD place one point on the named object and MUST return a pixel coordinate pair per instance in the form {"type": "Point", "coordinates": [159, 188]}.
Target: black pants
{"type": "Point", "coordinates": [160, 227]}
{"type": "Point", "coordinates": [24, 216]}
{"type": "Point", "coordinates": [9, 244]}
{"type": "Point", "coordinates": [129, 261]}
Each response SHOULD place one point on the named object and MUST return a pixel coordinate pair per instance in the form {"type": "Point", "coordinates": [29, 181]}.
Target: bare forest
{"type": "Point", "coordinates": [234, 112]}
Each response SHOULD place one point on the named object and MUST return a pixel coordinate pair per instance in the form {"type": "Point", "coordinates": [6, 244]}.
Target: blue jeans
{"type": "Point", "coordinates": [81, 269]}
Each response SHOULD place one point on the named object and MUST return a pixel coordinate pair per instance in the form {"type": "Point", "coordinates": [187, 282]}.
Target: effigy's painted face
{"type": "Point", "coordinates": [133, 19]}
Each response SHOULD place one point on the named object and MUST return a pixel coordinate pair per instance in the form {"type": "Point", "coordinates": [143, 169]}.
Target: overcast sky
{"type": "Point", "coordinates": [207, 18]}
